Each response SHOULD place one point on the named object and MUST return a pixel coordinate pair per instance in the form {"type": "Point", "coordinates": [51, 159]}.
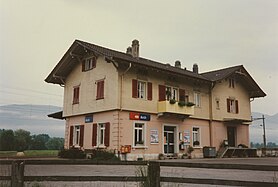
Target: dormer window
{"type": "Point", "coordinates": [231, 82]}
{"type": "Point", "coordinates": [89, 63]}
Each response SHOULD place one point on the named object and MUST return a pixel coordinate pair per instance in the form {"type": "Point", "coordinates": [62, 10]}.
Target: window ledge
{"type": "Point", "coordinates": [197, 147]}
{"type": "Point", "coordinates": [100, 147]}
{"type": "Point", "coordinates": [140, 147]}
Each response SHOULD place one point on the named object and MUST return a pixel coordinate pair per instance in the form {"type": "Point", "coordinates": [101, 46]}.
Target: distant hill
{"type": "Point", "coordinates": [32, 118]}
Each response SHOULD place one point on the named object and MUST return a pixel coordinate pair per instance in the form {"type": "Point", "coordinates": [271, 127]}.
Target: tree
{"type": "Point", "coordinates": [39, 142]}
{"type": "Point", "coordinates": [7, 140]}
{"type": "Point", "coordinates": [55, 143]}
{"type": "Point", "coordinates": [22, 139]}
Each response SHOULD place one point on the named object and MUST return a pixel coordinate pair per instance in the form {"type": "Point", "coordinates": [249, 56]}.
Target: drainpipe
{"type": "Point", "coordinates": [210, 113]}
{"type": "Point", "coordinates": [122, 81]}
{"type": "Point", "coordinates": [121, 104]}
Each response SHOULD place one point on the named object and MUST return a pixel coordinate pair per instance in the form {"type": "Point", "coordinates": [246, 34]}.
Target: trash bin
{"type": "Point", "coordinates": [209, 152]}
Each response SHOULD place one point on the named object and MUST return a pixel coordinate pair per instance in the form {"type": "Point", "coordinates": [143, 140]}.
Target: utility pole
{"type": "Point", "coordinates": [264, 135]}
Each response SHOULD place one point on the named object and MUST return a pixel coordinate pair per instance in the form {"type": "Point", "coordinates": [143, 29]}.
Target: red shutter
{"type": "Point", "coordinates": [75, 95]}
{"type": "Point", "coordinates": [81, 136]}
{"type": "Point", "coordinates": [237, 109]}
{"type": "Point", "coordinates": [161, 92]}
{"type": "Point", "coordinates": [94, 136]}
{"type": "Point", "coordinates": [71, 136]}
{"type": "Point", "coordinates": [94, 62]}
{"type": "Point", "coordinates": [100, 90]}
{"type": "Point", "coordinates": [107, 134]}
{"type": "Point", "coordinates": [181, 95]}
{"type": "Point", "coordinates": [150, 91]}
{"type": "Point", "coordinates": [134, 88]}
{"type": "Point", "coordinates": [228, 105]}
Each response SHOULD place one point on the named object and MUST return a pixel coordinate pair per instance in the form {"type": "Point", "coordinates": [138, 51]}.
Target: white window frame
{"type": "Point", "coordinates": [76, 135]}
{"type": "Point", "coordinates": [141, 89]}
{"type": "Point", "coordinates": [232, 105]}
{"type": "Point", "coordinates": [89, 63]}
{"type": "Point", "coordinates": [174, 93]}
{"type": "Point", "coordinates": [197, 99]}
{"type": "Point", "coordinates": [100, 134]}
{"type": "Point", "coordinates": [196, 134]}
{"type": "Point", "coordinates": [136, 130]}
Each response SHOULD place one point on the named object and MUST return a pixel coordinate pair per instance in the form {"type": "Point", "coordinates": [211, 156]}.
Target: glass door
{"type": "Point", "coordinates": [169, 140]}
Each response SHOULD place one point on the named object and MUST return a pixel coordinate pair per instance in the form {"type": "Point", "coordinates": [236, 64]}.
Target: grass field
{"type": "Point", "coordinates": [30, 153]}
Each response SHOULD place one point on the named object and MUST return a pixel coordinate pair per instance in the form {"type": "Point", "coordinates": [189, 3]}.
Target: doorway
{"type": "Point", "coordinates": [169, 140]}
{"type": "Point", "coordinates": [231, 131]}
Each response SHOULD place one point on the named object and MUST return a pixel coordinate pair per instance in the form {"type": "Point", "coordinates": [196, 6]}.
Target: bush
{"type": "Point", "coordinates": [72, 153]}
{"type": "Point", "coordinates": [181, 103]}
{"type": "Point", "coordinates": [172, 101]}
{"type": "Point", "coordinates": [102, 154]}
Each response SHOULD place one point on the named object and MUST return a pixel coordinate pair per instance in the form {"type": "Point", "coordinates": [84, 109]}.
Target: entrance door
{"type": "Point", "coordinates": [231, 136]}
{"type": "Point", "coordinates": [169, 140]}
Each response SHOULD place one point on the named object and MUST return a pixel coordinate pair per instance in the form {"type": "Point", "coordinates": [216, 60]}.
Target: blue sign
{"type": "Point", "coordinates": [145, 117]}
{"type": "Point", "coordinates": [88, 119]}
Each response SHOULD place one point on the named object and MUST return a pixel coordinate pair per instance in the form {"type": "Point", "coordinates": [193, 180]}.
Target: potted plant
{"type": "Point", "coordinates": [181, 103]}
{"type": "Point", "coordinates": [190, 104]}
{"type": "Point", "coordinates": [168, 94]}
{"type": "Point", "coordinates": [161, 156]}
{"type": "Point", "coordinates": [172, 101]}
{"type": "Point", "coordinates": [184, 155]}
{"type": "Point", "coordinates": [190, 149]}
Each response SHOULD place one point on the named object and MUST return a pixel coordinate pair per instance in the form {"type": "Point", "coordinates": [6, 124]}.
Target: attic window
{"type": "Point", "coordinates": [89, 63]}
{"type": "Point", "coordinates": [231, 82]}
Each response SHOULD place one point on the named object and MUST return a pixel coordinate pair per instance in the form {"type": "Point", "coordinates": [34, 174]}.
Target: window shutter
{"type": "Point", "coordinates": [94, 137]}
{"type": "Point", "coordinates": [181, 95]}
{"type": "Point", "coordinates": [134, 88]}
{"type": "Point", "coordinates": [100, 90]}
{"type": "Point", "coordinates": [237, 109]}
{"type": "Point", "coordinates": [228, 105]}
{"type": "Point", "coordinates": [71, 136]}
{"type": "Point", "coordinates": [150, 91]}
{"type": "Point", "coordinates": [81, 135]}
{"type": "Point", "coordinates": [107, 134]}
{"type": "Point", "coordinates": [161, 92]}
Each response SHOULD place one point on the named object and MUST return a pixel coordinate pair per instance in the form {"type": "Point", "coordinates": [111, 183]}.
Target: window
{"type": "Point", "coordinates": [139, 134]}
{"type": "Point", "coordinates": [196, 136]}
{"type": "Point", "coordinates": [141, 93]}
{"type": "Point", "coordinates": [217, 102]}
{"type": "Point", "coordinates": [232, 106]}
{"type": "Point", "coordinates": [100, 89]}
{"type": "Point", "coordinates": [101, 134]}
{"type": "Point", "coordinates": [101, 130]}
{"type": "Point", "coordinates": [76, 95]}
{"type": "Point", "coordinates": [171, 93]}
{"type": "Point", "coordinates": [197, 99]}
{"type": "Point", "coordinates": [141, 89]}
{"type": "Point", "coordinates": [89, 63]}
{"type": "Point", "coordinates": [231, 83]}
{"type": "Point", "coordinates": [76, 135]}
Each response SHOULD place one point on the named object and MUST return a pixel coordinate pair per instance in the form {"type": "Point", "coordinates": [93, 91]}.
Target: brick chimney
{"type": "Point", "coordinates": [135, 48]}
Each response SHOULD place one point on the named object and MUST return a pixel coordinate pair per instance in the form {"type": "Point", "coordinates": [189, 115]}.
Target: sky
{"type": "Point", "coordinates": [34, 35]}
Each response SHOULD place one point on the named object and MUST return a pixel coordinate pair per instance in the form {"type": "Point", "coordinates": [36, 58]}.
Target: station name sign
{"type": "Point", "coordinates": [139, 116]}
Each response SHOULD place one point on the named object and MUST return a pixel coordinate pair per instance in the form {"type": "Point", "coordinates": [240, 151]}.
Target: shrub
{"type": "Point", "coordinates": [190, 104]}
{"type": "Point", "coordinates": [72, 153]}
{"type": "Point", "coordinates": [103, 154]}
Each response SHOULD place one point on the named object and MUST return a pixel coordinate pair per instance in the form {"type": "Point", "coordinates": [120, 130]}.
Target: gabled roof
{"type": "Point", "coordinates": [67, 63]}
{"type": "Point", "coordinates": [221, 73]}
{"type": "Point", "coordinates": [241, 74]}
{"type": "Point", "coordinates": [79, 48]}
